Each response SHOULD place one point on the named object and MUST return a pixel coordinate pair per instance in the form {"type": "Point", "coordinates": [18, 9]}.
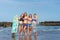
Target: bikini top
{"type": "Point", "coordinates": [25, 19]}
{"type": "Point", "coordinates": [34, 19]}
{"type": "Point", "coordinates": [29, 20]}
{"type": "Point", "coordinates": [21, 19]}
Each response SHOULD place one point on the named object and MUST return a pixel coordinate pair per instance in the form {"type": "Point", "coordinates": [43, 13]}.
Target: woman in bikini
{"type": "Point", "coordinates": [34, 22]}
{"type": "Point", "coordinates": [20, 26]}
{"type": "Point", "coordinates": [29, 24]}
{"type": "Point", "coordinates": [25, 23]}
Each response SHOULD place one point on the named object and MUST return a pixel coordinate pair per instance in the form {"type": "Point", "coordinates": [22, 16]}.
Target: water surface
{"type": "Point", "coordinates": [44, 33]}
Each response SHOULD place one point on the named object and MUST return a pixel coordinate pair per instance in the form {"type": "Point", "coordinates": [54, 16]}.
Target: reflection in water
{"type": "Point", "coordinates": [20, 38]}
{"type": "Point", "coordinates": [25, 37]}
{"type": "Point", "coordinates": [13, 36]}
{"type": "Point", "coordinates": [29, 37]}
{"type": "Point", "coordinates": [35, 36]}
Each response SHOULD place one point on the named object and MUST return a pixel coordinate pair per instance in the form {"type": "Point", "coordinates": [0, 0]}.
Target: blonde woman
{"type": "Point", "coordinates": [34, 22]}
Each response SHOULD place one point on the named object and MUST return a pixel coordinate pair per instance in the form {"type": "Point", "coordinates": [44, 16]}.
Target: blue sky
{"type": "Point", "coordinates": [47, 10]}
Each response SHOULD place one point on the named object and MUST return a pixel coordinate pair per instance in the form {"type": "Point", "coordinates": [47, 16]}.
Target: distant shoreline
{"type": "Point", "coordinates": [45, 23]}
{"type": "Point", "coordinates": [50, 23]}
{"type": "Point", "coordinates": [5, 24]}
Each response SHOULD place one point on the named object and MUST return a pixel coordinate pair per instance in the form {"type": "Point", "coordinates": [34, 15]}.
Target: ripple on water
{"type": "Point", "coordinates": [44, 33]}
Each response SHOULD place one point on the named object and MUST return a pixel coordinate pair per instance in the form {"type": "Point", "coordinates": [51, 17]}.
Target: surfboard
{"type": "Point", "coordinates": [15, 24]}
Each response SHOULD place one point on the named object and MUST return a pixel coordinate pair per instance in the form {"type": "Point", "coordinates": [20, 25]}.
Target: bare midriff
{"type": "Point", "coordinates": [29, 20]}
{"type": "Point", "coordinates": [25, 20]}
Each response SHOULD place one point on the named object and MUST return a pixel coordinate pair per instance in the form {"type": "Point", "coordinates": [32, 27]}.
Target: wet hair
{"type": "Point", "coordinates": [35, 14]}
{"type": "Point", "coordinates": [22, 15]}
{"type": "Point", "coordinates": [25, 13]}
{"type": "Point", "coordinates": [30, 15]}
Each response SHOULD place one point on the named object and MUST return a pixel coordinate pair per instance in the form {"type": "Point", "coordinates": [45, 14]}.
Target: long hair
{"type": "Point", "coordinates": [30, 15]}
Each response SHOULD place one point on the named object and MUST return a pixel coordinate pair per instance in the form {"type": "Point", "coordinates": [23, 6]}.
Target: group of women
{"type": "Point", "coordinates": [27, 23]}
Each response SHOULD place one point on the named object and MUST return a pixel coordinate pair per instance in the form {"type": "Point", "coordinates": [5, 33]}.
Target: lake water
{"type": "Point", "coordinates": [43, 33]}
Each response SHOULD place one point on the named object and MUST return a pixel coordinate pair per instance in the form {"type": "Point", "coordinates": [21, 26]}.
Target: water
{"type": "Point", "coordinates": [44, 33]}
{"type": "Point", "coordinates": [48, 28]}
{"type": "Point", "coordinates": [5, 33]}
